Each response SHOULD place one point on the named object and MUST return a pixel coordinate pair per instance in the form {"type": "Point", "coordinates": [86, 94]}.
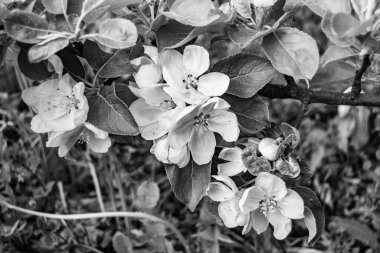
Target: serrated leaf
{"type": "Point", "coordinates": [117, 33]}
{"type": "Point", "coordinates": [39, 52]}
{"type": "Point", "coordinates": [55, 6]}
{"type": "Point", "coordinates": [147, 195]}
{"type": "Point", "coordinates": [109, 110]}
{"type": "Point", "coordinates": [189, 183]}
{"type": "Point", "coordinates": [335, 53]}
{"type": "Point", "coordinates": [117, 65]}
{"type": "Point", "coordinates": [26, 27]}
{"type": "Point", "coordinates": [252, 113]}
{"type": "Point", "coordinates": [292, 52]}
{"type": "Point", "coordinates": [314, 216]}
{"type": "Point", "coordinates": [195, 13]}
{"type": "Point", "coordinates": [248, 73]}
{"type": "Point", "coordinates": [121, 243]}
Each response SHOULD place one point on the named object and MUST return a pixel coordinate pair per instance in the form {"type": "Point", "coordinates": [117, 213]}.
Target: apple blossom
{"type": "Point", "coordinates": [263, 3]}
{"type": "Point", "coordinates": [96, 139]}
{"type": "Point", "coordinates": [269, 201]}
{"type": "Point", "coordinates": [270, 148]}
{"type": "Point", "coordinates": [196, 125]}
{"type": "Point", "coordinates": [59, 104]}
{"type": "Point", "coordinates": [235, 163]}
{"type": "Point", "coordinates": [228, 195]}
{"type": "Point", "coordinates": [186, 74]}
{"type": "Point", "coordinates": [167, 154]}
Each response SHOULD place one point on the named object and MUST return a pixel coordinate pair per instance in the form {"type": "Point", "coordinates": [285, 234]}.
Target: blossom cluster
{"type": "Point", "coordinates": [61, 111]}
{"type": "Point", "coordinates": [178, 105]}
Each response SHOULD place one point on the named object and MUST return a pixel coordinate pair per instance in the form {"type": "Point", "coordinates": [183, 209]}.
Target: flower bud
{"type": "Point", "coordinates": [263, 3]}
{"type": "Point", "coordinates": [270, 148]}
{"type": "Point", "coordinates": [295, 168]}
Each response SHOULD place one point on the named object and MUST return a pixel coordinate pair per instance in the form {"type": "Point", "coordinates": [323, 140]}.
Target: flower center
{"type": "Point", "coordinates": [190, 81]}
{"type": "Point", "coordinates": [167, 104]}
{"type": "Point", "coordinates": [69, 102]}
{"type": "Point", "coordinates": [201, 119]}
{"type": "Point", "coordinates": [267, 205]}
{"type": "Point", "coordinates": [83, 138]}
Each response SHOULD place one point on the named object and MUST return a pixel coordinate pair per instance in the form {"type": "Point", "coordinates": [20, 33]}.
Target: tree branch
{"type": "Point", "coordinates": [313, 96]}
{"type": "Point", "coordinates": [357, 85]}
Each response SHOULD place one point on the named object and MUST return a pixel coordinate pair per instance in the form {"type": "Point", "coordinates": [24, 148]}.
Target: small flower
{"type": "Point", "coordinates": [263, 3]}
{"type": "Point", "coordinates": [96, 139]}
{"type": "Point", "coordinates": [270, 148]}
{"type": "Point", "coordinates": [269, 201]}
{"type": "Point", "coordinates": [157, 111]}
{"type": "Point", "coordinates": [235, 163]}
{"type": "Point", "coordinates": [228, 195]}
{"type": "Point", "coordinates": [196, 125]}
{"type": "Point", "coordinates": [167, 154]}
{"type": "Point", "coordinates": [186, 74]}
{"type": "Point", "coordinates": [60, 105]}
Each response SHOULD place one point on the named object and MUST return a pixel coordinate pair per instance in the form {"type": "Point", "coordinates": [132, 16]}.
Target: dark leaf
{"type": "Point", "coordinates": [117, 65]}
{"type": "Point", "coordinates": [189, 183]}
{"type": "Point", "coordinates": [94, 55]}
{"type": "Point", "coordinates": [35, 71]}
{"type": "Point", "coordinates": [72, 64]}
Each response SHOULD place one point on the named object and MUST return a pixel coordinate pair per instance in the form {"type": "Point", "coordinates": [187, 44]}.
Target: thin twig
{"type": "Point", "coordinates": [133, 215]}
{"type": "Point", "coordinates": [97, 186]}
{"type": "Point", "coordinates": [357, 85]}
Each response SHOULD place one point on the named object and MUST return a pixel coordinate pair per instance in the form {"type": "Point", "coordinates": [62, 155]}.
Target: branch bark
{"type": "Point", "coordinates": [313, 96]}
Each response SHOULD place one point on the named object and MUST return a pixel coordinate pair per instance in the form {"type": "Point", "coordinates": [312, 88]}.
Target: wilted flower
{"type": "Point", "coordinates": [59, 104]}
{"type": "Point", "coordinates": [196, 126]}
{"type": "Point", "coordinates": [185, 73]}
{"type": "Point", "coordinates": [228, 195]}
{"type": "Point", "coordinates": [269, 201]}
{"type": "Point", "coordinates": [167, 154]}
{"type": "Point", "coordinates": [235, 163]}
{"type": "Point", "coordinates": [96, 139]}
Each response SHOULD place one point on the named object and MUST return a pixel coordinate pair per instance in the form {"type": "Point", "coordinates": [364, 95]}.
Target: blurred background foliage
{"type": "Point", "coordinates": [340, 143]}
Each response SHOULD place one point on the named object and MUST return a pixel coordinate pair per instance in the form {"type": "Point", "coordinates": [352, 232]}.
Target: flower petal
{"type": "Point", "coordinates": [148, 75]}
{"type": "Point", "coordinates": [38, 125]}
{"type": "Point", "coordinates": [181, 156]}
{"type": "Point", "coordinates": [213, 84]}
{"type": "Point", "coordinates": [230, 169]}
{"type": "Point", "coordinates": [160, 149]}
{"type": "Point", "coordinates": [154, 95]}
{"type": "Point", "coordinates": [225, 123]}
{"type": "Point", "coordinates": [172, 68]}
{"type": "Point", "coordinates": [196, 60]}
{"type": "Point", "coordinates": [227, 214]}
{"type": "Point", "coordinates": [98, 145]}
{"type": "Point", "coordinates": [143, 113]}
{"type": "Point", "coordinates": [153, 131]}
{"type": "Point", "coordinates": [219, 192]}
{"type": "Point", "coordinates": [272, 185]}
{"type": "Point", "coordinates": [227, 181]}
{"type": "Point", "coordinates": [259, 221]}
{"type": "Point", "coordinates": [231, 154]}
{"type": "Point", "coordinates": [292, 205]}
{"type": "Point", "coordinates": [251, 199]}
{"type": "Point", "coordinates": [281, 224]}
{"type": "Point", "coordinates": [180, 133]}
{"type": "Point", "coordinates": [98, 133]}
{"type": "Point", "coordinates": [202, 145]}
{"type": "Point", "coordinates": [152, 52]}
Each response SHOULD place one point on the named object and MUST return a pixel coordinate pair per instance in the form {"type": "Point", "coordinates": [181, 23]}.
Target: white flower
{"type": "Point", "coordinates": [196, 126]}
{"type": "Point", "coordinates": [269, 201]}
{"type": "Point", "coordinates": [167, 154]}
{"type": "Point", "coordinates": [60, 105]}
{"type": "Point", "coordinates": [228, 195]}
{"type": "Point", "coordinates": [263, 3]}
{"type": "Point", "coordinates": [235, 163]}
{"type": "Point", "coordinates": [186, 74]}
{"type": "Point", "coordinates": [96, 139]}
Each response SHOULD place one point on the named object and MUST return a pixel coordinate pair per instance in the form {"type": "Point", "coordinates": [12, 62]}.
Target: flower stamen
{"type": "Point", "coordinates": [267, 205]}
{"type": "Point", "coordinates": [190, 81]}
{"type": "Point", "coordinates": [201, 119]}
{"type": "Point", "coordinates": [167, 104]}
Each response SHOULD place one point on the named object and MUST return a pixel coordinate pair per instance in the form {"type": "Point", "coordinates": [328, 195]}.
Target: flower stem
{"type": "Point", "coordinates": [133, 215]}
{"type": "Point", "coordinates": [96, 184]}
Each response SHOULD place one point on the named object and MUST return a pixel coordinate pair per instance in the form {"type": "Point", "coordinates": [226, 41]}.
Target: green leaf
{"type": "Point", "coordinates": [117, 65]}
{"type": "Point", "coordinates": [195, 13]}
{"type": "Point", "coordinates": [255, 164]}
{"type": "Point", "coordinates": [72, 64]}
{"type": "Point", "coordinates": [248, 73]}
{"type": "Point", "coordinates": [291, 134]}
{"type": "Point", "coordinates": [147, 195]}
{"type": "Point", "coordinates": [335, 53]}
{"type": "Point", "coordinates": [252, 113]}
{"type": "Point", "coordinates": [116, 33]}
{"type": "Point", "coordinates": [94, 55]}
{"type": "Point", "coordinates": [35, 71]}
{"type": "Point", "coordinates": [314, 216]}
{"type": "Point", "coordinates": [55, 6]}
{"type": "Point", "coordinates": [89, 5]}
{"type": "Point", "coordinates": [109, 110]}
{"type": "Point", "coordinates": [292, 52]}
{"type": "Point", "coordinates": [121, 243]}
{"type": "Point", "coordinates": [26, 27]}
{"type": "Point", "coordinates": [189, 183]}
{"type": "Point", "coordinates": [244, 36]}
{"type": "Point", "coordinates": [320, 7]}
{"type": "Point", "coordinates": [39, 52]}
